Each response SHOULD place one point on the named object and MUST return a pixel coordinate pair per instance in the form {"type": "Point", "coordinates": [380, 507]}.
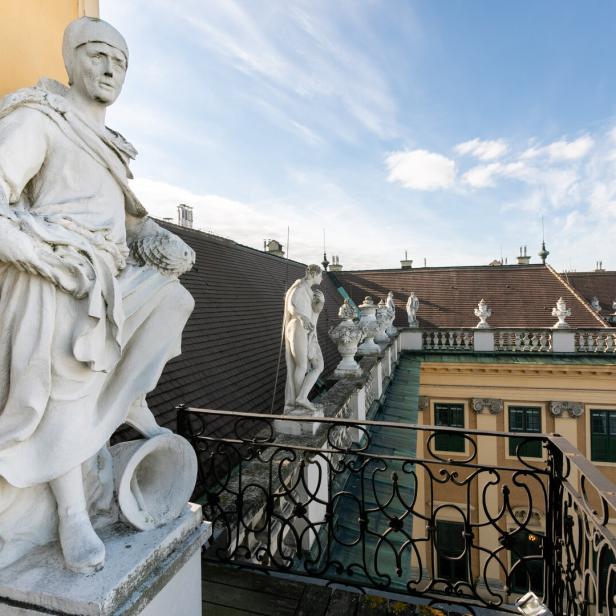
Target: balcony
{"type": "Point", "coordinates": [367, 497]}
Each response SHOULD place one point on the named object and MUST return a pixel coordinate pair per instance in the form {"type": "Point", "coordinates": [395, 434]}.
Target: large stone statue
{"type": "Point", "coordinates": [90, 305]}
{"type": "Point", "coordinates": [302, 306]}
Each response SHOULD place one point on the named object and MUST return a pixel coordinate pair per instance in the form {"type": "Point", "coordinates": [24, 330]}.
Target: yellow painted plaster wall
{"type": "Point", "coordinates": [536, 384]}
{"type": "Point", "coordinates": [31, 39]}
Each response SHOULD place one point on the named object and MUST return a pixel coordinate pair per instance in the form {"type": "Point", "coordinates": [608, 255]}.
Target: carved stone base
{"type": "Point", "coordinates": [151, 573]}
{"type": "Point", "coordinates": [299, 428]}
{"type": "Point", "coordinates": [347, 373]}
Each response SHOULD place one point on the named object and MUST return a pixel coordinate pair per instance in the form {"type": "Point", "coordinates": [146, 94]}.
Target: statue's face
{"type": "Point", "coordinates": [98, 72]}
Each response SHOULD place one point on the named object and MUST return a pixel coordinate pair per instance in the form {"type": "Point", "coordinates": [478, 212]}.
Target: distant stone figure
{"type": "Point", "coordinates": [391, 307]}
{"type": "Point", "coordinates": [412, 306]}
{"type": "Point", "coordinates": [90, 305]}
{"type": "Point", "coordinates": [304, 360]}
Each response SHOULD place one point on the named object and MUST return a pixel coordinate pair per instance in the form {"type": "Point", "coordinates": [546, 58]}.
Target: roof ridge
{"type": "Point", "coordinates": [577, 295]}
{"type": "Point", "coordinates": [228, 241]}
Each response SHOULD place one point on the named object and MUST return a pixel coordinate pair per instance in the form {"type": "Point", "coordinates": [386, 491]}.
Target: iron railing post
{"type": "Point", "coordinates": [553, 547]}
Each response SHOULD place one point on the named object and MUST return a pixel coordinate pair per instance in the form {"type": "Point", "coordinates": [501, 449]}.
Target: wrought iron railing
{"type": "Point", "coordinates": [467, 517]}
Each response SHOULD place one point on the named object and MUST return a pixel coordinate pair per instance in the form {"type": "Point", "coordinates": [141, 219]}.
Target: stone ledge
{"type": "Point", "coordinates": [139, 565]}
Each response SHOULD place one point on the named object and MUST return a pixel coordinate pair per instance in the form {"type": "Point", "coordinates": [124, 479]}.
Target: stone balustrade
{"type": "Point", "coordinates": [508, 340]}
{"type": "Point", "coordinates": [595, 341]}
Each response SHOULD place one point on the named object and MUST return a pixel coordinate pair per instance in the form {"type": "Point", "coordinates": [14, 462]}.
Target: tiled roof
{"type": "Point", "coordinates": [230, 346]}
{"type": "Point", "coordinates": [595, 284]}
{"type": "Point", "coordinates": [519, 295]}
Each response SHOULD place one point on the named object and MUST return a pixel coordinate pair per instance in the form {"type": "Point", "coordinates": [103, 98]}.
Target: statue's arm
{"type": "Point", "coordinates": [151, 245]}
{"type": "Point", "coordinates": [23, 149]}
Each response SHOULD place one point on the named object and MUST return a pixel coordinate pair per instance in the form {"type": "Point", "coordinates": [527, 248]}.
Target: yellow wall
{"type": "Point", "coordinates": [31, 39]}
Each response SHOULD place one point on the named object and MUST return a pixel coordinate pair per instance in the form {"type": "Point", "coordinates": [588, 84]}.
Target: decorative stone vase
{"type": "Point", "coordinates": [482, 312]}
{"type": "Point", "coordinates": [347, 335]}
{"type": "Point", "coordinates": [383, 321]}
{"type": "Point", "coordinates": [561, 312]}
{"type": "Point", "coordinates": [369, 327]}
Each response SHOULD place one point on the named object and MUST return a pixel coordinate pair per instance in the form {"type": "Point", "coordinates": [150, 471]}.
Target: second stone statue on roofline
{"type": "Point", "coordinates": [90, 305]}
{"type": "Point", "coordinates": [304, 361]}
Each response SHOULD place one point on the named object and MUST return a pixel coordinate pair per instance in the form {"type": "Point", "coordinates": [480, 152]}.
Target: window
{"type": "Point", "coordinates": [451, 557]}
{"type": "Point", "coordinates": [449, 415]}
{"type": "Point", "coordinates": [529, 574]}
{"type": "Point", "coordinates": [525, 419]}
{"type": "Point", "coordinates": [603, 435]}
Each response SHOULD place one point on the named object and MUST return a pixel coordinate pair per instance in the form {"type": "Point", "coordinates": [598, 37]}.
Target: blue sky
{"type": "Point", "coordinates": [448, 129]}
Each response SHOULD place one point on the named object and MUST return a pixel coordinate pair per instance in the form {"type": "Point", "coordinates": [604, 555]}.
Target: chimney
{"type": "Point", "coordinates": [185, 216]}
{"type": "Point", "coordinates": [599, 266]}
{"type": "Point", "coordinates": [335, 265]}
{"type": "Point", "coordinates": [273, 247]}
{"type": "Point", "coordinates": [406, 263]}
{"type": "Point", "coordinates": [523, 258]}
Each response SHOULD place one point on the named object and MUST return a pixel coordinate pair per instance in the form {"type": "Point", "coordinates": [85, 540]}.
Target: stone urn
{"type": "Point", "coordinates": [561, 312]}
{"type": "Point", "coordinates": [369, 327]}
{"type": "Point", "coordinates": [383, 321]}
{"type": "Point", "coordinates": [347, 335]}
{"type": "Point", "coordinates": [482, 312]}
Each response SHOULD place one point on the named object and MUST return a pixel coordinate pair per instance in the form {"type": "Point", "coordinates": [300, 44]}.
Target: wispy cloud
{"type": "Point", "coordinates": [421, 170]}
{"type": "Point", "coordinates": [562, 150]}
{"type": "Point", "coordinates": [483, 150]}
{"type": "Point", "coordinates": [296, 52]}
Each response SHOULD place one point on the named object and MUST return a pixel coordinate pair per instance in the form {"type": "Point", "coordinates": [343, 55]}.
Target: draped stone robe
{"type": "Point", "coordinates": [70, 369]}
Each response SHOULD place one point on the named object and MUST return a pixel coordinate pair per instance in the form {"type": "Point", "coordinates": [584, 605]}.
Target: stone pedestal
{"type": "Point", "coordinates": [563, 341]}
{"type": "Point", "coordinates": [299, 428]}
{"type": "Point", "coordinates": [152, 573]}
{"type": "Point", "coordinates": [483, 341]}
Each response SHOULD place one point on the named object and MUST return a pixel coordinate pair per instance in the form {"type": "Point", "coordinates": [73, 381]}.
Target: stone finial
{"type": "Point", "coordinates": [567, 409]}
{"type": "Point", "coordinates": [595, 304]}
{"type": "Point", "coordinates": [561, 312]}
{"type": "Point", "coordinates": [483, 312]}
{"type": "Point", "coordinates": [494, 405]}
{"type": "Point", "coordinates": [369, 327]}
{"type": "Point", "coordinates": [412, 306]}
{"type": "Point", "coordinates": [347, 335]}
{"type": "Point", "coordinates": [346, 311]}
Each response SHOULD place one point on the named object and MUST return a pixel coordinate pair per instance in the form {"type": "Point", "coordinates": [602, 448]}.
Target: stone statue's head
{"type": "Point", "coordinates": [314, 274]}
{"type": "Point", "coordinates": [96, 58]}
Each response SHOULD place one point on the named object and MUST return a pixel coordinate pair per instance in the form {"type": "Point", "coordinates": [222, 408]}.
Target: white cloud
{"type": "Point", "coordinates": [483, 176]}
{"type": "Point", "coordinates": [421, 170]}
{"type": "Point", "coordinates": [483, 150]}
{"type": "Point", "coordinates": [295, 53]}
{"type": "Point", "coordinates": [562, 150]}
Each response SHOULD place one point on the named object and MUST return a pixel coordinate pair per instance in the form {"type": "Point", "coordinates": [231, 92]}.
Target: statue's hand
{"type": "Point", "coordinates": [16, 247]}
{"type": "Point", "coordinates": [68, 269]}
{"type": "Point", "coordinates": [65, 267]}
{"type": "Point", "coordinates": [307, 323]}
{"type": "Point", "coordinates": [164, 251]}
